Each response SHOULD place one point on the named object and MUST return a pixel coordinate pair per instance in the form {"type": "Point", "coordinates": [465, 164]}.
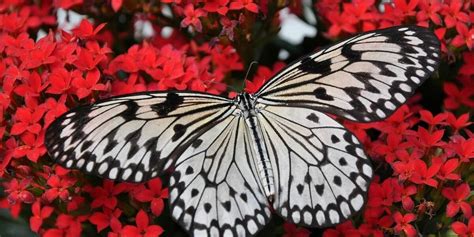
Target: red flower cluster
{"type": "Point", "coordinates": [422, 160]}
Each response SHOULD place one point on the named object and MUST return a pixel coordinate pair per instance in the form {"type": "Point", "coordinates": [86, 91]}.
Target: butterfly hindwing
{"type": "Point", "coordinates": [364, 78]}
{"type": "Point", "coordinates": [321, 171]}
{"type": "Point", "coordinates": [131, 138]}
{"type": "Point", "coordinates": [214, 189]}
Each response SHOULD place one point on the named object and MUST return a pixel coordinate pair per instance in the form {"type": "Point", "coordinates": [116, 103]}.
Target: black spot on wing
{"type": "Point", "coordinates": [86, 145]}
{"type": "Point", "coordinates": [132, 138]}
{"type": "Point", "coordinates": [309, 65]}
{"type": "Point", "coordinates": [320, 189]}
{"type": "Point", "coordinates": [110, 145]}
{"type": "Point", "coordinates": [337, 180]}
{"type": "Point", "coordinates": [179, 131]}
{"type": "Point", "coordinates": [131, 112]}
{"type": "Point", "coordinates": [313, 118]}
{"type": "Point", "coordinates": [170, 104]}
{"type": "Point", "coordinates": [194, 192]}
{"type": "Point", "coordinates": [189, 170]}
{"type": "Point", "coordinates": [353, 55]}
{"type": "Point", "coordinates": [226, 205]}
{"type": "Point", "coordinates": [197, 143]}
{"type": "Point", "coordinates": [207, 207]}
{"type": "Point", "coordinates": [321, 94]}
{"type": "Point", "coordinates": [342, 162]}
{"type": "Point", "coordinates": [243, 196]}
{"type": "Point", "coordinates": [300, 188]}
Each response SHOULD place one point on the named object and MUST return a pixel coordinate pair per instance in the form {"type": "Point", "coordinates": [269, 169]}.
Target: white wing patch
{"type": "Point", "coordinates": [321, 169]}
{"type": "Point", "coordinates": [214, 189]}
{"type": "Point", "coordinates": [364, 78]}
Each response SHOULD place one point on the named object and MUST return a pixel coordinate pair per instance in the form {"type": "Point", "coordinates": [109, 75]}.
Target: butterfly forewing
{"type": "Point", "coordinates": [364, 78]}
{"type": "Point", "coordinates": [133, 137]}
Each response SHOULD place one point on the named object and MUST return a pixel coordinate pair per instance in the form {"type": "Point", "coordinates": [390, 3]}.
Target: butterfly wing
{"type": "Point", "coordinates": [321, 171]}
{"type": "Point", "coordinates": [214, 189]}
{"type": "Point", "coordinates": [133, 137]}
{"type": "Point", "coordinates": [364, 78]}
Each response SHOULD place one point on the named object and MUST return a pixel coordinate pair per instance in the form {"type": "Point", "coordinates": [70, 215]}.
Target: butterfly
{"type": "Point", "coordinates": [235, 161]}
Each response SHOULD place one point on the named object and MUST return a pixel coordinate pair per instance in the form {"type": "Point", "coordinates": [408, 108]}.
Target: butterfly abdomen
{"type": "Point", "coordinates": [262, 161]}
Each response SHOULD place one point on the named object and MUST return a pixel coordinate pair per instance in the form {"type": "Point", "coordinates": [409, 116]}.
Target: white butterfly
{"type": "Point", "coordinates": [231, 159]}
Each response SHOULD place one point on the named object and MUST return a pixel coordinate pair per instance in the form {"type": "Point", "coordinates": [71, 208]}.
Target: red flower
{"type": "Point", "coordinates": [155, 194]}
{"type": "Point", "coordinates": [447, 169]}
{"type": "Point", "coordinates": [61, 80]}
{"type": "Point", "coordinates": [384, 194]}
{"type": "Point", "coordinates": [54, 109]}
{"type": "Point", "coordinates": [464, 148]}
{"type": "Point", "coordinates": [116, 5]}
{"type": "Point", "coordinates": [344, 229]}
{"type": "Point", "coordinates": [69, 226]}
{"type": "Point", "coordinates": [467, 68]}
{"type": "Point", "coordinates": [428, 139]}
{"type": "Point", "coordinates": [89, 57]}
{"type": "Point", "coordinates": [407, 202]}
{"type": "Point", "coordinates": [462, 230]}
{"type": "Point", "coordinates": [465, 36]}
{"type": "Point", "coordinates": [457, 97]}
{"type": "Point", "coordinates": [17, 191]}
{"type": "Point", "coordinates": [116, 227]}
{"type": "Point", "coordinates": [389, 151]}
{"type": "Point", "coordinates": [404, 169]}
{"type": "Point", "coordinates": [291, 230]}
{"type": "Point", "coordinates": [402, 223]}
{"type": "Point", "coordinates": [89, 84]}
{"type": "Point", "coordinates": [401, 9]}
{"type": "Point", "coordinates": [427, 117]}
{"type": "Point", "coordinates": [27, 119]}
{"type": "Point", "coordinates": [31, 86]}
{"type": "Point", "coordinates": [33, 146]}
{"type": "Point", "coordinates": [453, 14]}
{"type": "Point", "coordinates": [39, 214]}
{"type": "Point", "coordinates": [39, 55]}
{"type": "Point", "coordinates": [247, 4]}
{"type": "Point", "coordinates": [262, 75]}
{"type": "Point", "coordinates": [106, 195]}
{"type": "Point", "coordinates": [58, 188]}
{"type": "Point", "coordinates": [104, 219]}
{"type": "Point", "coordinates": [66, 4]}
{"type": "Point", "coordinates": [458, 123]}
{"type": "Point", "coordinates": [143, 228]}
{"type": "Point", "coordinates": [192, 17]}
{"type": "Point", "coordinates": [424, 175]}
{"type": "Point", "coordinates": [341, 23]}
{"type": "Point", "coordinates": [456, 198]}
{"type": "Point", "coordinates": [86, 30]}
{"type": "Point", "coordinates": [398, 123]}
{"type": "Point", "coordinates": [429, 11]}
{"type": "Point", "coordinates": [219, 6]}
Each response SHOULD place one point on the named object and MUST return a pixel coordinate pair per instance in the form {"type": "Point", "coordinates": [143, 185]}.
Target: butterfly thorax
{"type": "Point", "coordinates": [262, 163]}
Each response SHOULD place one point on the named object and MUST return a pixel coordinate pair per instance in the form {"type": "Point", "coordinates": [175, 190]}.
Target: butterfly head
{"type": "Point", "coordinates": [246, 103]}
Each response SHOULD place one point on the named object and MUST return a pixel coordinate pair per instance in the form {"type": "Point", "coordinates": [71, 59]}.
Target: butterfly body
{"type": "Point", "coordinates": [235, 160]}
{"type": "Point", "coordinates": [250, 113]}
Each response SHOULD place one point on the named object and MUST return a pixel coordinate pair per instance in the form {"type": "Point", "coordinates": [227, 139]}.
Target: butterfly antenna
{"type": "Point", "coordinates": [248, 72]}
